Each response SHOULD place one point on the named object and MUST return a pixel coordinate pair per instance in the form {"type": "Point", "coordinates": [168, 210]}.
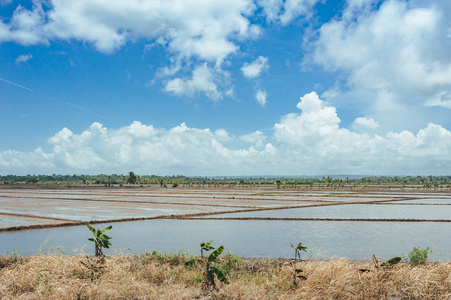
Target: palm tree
{"type": "Point", "coordinates": [101, 240]}
{"type": "Point", "coordinates": [131, 178]}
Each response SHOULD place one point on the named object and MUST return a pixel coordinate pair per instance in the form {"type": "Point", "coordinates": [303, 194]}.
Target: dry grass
{"type": "Point", "coordinates": [155, 276]}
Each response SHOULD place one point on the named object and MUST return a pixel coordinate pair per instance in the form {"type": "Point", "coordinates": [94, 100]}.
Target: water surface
{"type": "Point", "coordinates": [353, 211]}
{"type": "Point", "coordinates": [354, 240]}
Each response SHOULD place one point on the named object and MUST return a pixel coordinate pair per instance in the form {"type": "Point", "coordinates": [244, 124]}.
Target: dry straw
{"type": "Point", "coordinates": [155, 276]}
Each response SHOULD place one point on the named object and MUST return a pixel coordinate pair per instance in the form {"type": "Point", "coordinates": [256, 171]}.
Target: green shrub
{"type": "Point", "coordinates": [418, 255]}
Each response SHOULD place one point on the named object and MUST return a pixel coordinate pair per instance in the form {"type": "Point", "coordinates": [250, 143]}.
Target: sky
{"type": "Point", "coordinates": [225, 87]}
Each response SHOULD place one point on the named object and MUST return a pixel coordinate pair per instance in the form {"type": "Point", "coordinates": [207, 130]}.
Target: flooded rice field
{"type": "Point", "coordinates": [351, 211]}
{"type": "Point", "coordinates": [248, 221]}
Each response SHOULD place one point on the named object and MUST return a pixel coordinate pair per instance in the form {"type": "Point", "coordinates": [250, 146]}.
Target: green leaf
{"type": "Point", "coordinates": [193, 261]}
{"type": "Point", "coordinates": [301, 248]}
{"type": "Point", "coordinates": [215, 254]}
{"type": "Point", "coordinates": [106, 229]}
{"type": "Point", "coordinates": [206, 246]}
{"type": "Point", "coordinates": [391, 262]}
{"type": "Point", "coordinates": [220, 274]}
{"type": "Point", "coordinates": [91, 228]}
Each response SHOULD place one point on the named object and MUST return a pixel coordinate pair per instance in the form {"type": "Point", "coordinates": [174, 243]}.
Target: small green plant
{"type": "Point", "coordinates": [418, 255]}
{"type": "Point", "coordinates": [297, 275]}
{"type": "Point", "coordinates": [297, 254]}
{"type": "Point", "coordinates": [101, 240]}
{"type": "Point", "coordinates": [210, 270]}
{"type": "Point", "coordinates": [297, 250]}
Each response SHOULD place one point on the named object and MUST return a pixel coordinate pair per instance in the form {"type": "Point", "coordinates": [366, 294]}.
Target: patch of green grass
{"type": "Point", "coordinates": [418, 255]}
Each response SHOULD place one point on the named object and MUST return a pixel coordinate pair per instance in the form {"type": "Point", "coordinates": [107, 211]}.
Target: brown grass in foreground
{"type": "Point", "coordinates": [156, 276]}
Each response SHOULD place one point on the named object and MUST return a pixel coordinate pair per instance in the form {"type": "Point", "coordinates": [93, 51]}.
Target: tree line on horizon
{"type": "Point", "coordinates": [130, 178]}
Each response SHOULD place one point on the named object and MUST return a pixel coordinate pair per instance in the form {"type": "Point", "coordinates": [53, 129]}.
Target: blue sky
{"type": "Point", "coordinates": [240, 87]}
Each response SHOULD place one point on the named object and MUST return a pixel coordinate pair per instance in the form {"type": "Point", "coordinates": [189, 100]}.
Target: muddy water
{"type": "Point", "coordinates": [245, 238]}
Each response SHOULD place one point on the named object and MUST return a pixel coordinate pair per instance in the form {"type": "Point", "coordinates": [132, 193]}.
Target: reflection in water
{"type": "Point", "coordinates": [245, 238]}
{"type": "Point", "coordinates": [354, 211]}
{"type": "Point", "coordinates": [435, 200]}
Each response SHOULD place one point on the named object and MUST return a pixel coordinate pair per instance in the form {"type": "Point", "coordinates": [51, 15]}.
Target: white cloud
{"type": "Point", "coordinates": [315, 138]}
{"type": "Point", "coordinates": [203, 29]}
{"type": "Point", "coordinates": [441, 99]}
{"type": "Point", "coordinates": [25, 26]}
{"type": "Point", "coordinates": [223, 135]}
{"type": "Point", "coordinates": [202, 80]}
{"type": "Point", "coordinates": [308, 142]}
{"type": "Point", "coordinates": [62, 136]}
{"type": "Point", "coordinates": [286, 11]}
{"type": "Point", "coordinates": [171, 70]}
{"type": "Point", "coordinates": [24, 58]}
{"type": "Point", "coordinates": [261, 97]}
{"type": "Point", "coordinates": [332, 93]}
{"type": "Point", "coordinates": [255, 68]}
{"type": "Point", "coordinates": [364, 123]}
{"type": "Point", "coordinates": [400, 48]}
{"type": "Point", "coordinates": [256, 138]}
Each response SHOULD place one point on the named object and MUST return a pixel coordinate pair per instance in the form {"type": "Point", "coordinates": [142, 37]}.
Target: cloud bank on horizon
{"type": "Point", "coordinates": [381, 72]}
{"type": "Point", "coordinates": [304, 142]}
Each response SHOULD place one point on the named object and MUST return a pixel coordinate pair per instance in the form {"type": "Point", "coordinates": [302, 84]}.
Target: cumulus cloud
{"type": "Point", "coordinates": [63, 135]}
{"type": "Point", "coordinates": [202, 80]}
{"type": "Point", "coordinates": [24, 58]}
{"type": "Point", "coordinates": [261, 97]}
{"type": "Point", "coordinates": [315, 136]}
{"type": "Point", "coordinates": [222, 135]}
{"type": "Point", "coordinates": [256, 138]}
{"type": "Point", "coordinates": [364, 123]}
{"type": "Point", "coordinates": [205, 30]}
{"type": "Point", "coordinates": [307, 142]}
{"type": "Point", "coordinates": [254, 69]}
{"type": "Point", "coordinates": [399, 47]}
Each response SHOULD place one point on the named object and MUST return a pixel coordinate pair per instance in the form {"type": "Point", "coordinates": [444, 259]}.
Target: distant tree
{"type": "Point", "coordinates": [131, 178]}
{"type": "Point", "coordinates": [32, 180]}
